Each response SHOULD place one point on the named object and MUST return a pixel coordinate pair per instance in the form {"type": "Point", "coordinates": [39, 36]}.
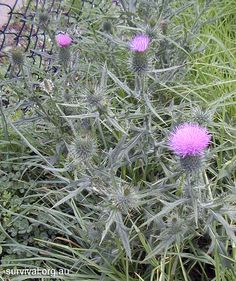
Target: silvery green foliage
{"type": "Point", "coordinates": [202, 117]}
{"type": "Point", "coordinates": [17, 57]}
{"type": "Point", "coordinates": [82, 148]}
{"type": "Point", "coordinates": [95, 146]}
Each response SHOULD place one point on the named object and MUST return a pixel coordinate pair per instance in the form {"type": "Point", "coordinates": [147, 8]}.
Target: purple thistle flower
{"type": "Point", "coordinates": [189, 140]}
{"type": "Point", "coordinates": [63, 40]}
{"type": "Point", "coordinates": [140, 43]}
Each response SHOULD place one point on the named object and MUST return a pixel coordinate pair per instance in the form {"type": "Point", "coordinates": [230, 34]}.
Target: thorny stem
{"type": "Point", "coordinates": [138, 85]}
{"type": "Point", "coordinates": [187, 186]}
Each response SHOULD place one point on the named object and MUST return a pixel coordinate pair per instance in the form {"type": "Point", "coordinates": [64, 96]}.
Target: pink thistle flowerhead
{"type": "Point", "coordinates": [139, 43]}
{"type": "Point", "coordinates": [63, 40]}
{"type": "Point", "coordinates": [189, 140]}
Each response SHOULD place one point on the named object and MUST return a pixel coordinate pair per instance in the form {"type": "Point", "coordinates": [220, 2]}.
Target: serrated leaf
{"type": "Point", "coordinates": [161, 247]}
{"type": "Point", "coordinates": [109, 222]}
{"type": "Point", "coordinates": [121, 84]}
{"type": "Point", "coordinates": [122, 231]}
{"type": "Point", "coordinates": [165, 210]}
{"type": "Point", "coordinates": [115, 124]}
{"type": "Point", "coordinates": [71, 195]}
{"type": "Point", "coordinates": [229, 230]}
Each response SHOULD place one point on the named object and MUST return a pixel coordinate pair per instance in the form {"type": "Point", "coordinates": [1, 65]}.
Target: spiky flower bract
{"type": "Point", "coordinates": [95, 97]}
{"type": "Point", "coordinates": [202, 117]}
{"type": "Point", "coordinates": [44, 19]}
{"type": "Point", "coordinates": [17, 57]}
{"type": "Point", "coordinates": [139, 62]}
{"type": "Point", "coordinates": [140, 43]}
{"type": "Point", "coordinates": [163, 26]}
{"type": "Point", "coordinates": [83, 148]}
{"type": "Point", "coordinates": [107, 26]}
{"type": "Point", "coordinates": [64, 56]}
{"type": "Point", "coordinates": [191, 164]}
{"type": "Point", "coordinates": [63, 40]}
{"type": "Point", "coordinates": [189, 140]}
{"type": "Point", "coordinates": [125, 198]}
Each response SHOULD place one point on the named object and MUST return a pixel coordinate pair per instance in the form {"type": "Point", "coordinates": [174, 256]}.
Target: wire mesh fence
{"type": "Point", "coordinates": [26, 26]}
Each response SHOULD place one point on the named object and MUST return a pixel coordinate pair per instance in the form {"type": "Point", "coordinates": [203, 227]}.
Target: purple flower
{"type": "Point", "coordinates": [140, 43]}
{"type": "Point", "coordinates": [189, 140]}
{"type": "Point", "coordinates": [63, 40]}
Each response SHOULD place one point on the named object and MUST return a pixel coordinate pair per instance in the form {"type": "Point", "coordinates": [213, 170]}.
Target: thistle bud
{"type": "Point", "coordinates": [151, 31]}
{"type": "Point", "coordinates": [125, 198]}
{"type": "Point", "coordinates": [139, 63]}
{"type": "Point", "coordinates": [44, 19]}
{"type": "Point", "coordinates": [83, 148]}
{"type": "Point", "coordinates": [163, 26]}
{"type": "Point", "coordinates": [95, 98]}
{"type": "Point", "coordinates": [152, 22]}
{"type": "Point", "coordinates": [107, 27]}
{"type": "Point", "coordinates": [64, 41]}
{"type": "Point", "coordinates": [17, 57]}
{"type": "Point", "coordinates": [202, 117]}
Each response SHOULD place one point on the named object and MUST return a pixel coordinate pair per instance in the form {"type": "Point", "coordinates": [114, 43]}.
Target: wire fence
{"type": "Point", "coordinates": [24, 29]}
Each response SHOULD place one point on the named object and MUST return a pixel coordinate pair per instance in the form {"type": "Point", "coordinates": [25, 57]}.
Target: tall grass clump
{"type": "Point", "coordinates": [118, 153]}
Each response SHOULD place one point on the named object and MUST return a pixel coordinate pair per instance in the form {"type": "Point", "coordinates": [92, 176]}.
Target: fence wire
{"type": "Point", "coordinates": [23, 27]}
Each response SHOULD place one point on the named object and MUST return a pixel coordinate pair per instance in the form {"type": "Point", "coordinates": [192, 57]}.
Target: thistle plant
{"type": "Point", "coordinates": [201, 116]}
{"type": "Point", "coordinates": [95, 98]}
{"type": "Point", "coordinates": [64, 41]}
{"type": "Point", "coordinates": [188, 141]}
{"type": "Point", "coordinates": [17, 57]}
{"type": "Point", "coordinates": [139, 45]}
{"type": "Point", "coordinates": [139, 62]}
{"type": "Point", "coordinates": [83, 148]}
{"type": "Point", "coordinates": [44, 20]}
{"type": "Point", "coordinates": [125, 198]}
{"type": "Point", "coordinates": [107, 26]}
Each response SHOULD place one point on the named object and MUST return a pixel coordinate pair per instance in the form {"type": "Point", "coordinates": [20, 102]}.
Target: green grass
{"type": "Point", "coordinates": [215, 69]}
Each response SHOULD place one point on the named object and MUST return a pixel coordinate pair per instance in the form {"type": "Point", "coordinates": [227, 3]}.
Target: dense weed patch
{"type": "Point", "coordinates": [118, 153]}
